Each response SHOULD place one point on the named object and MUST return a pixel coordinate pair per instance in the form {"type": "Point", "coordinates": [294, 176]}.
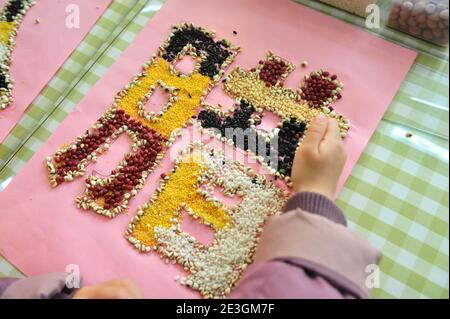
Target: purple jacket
{"type": "Point", "coordinates": [307, 252]}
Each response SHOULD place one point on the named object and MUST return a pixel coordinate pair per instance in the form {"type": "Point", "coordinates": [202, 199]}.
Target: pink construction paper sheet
{"type": "Point", "coordinates": [41, 230]}
{"type": "Point", "coordinates": [42, 48]}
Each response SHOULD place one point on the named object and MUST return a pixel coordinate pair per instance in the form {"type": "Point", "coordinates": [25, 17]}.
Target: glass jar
{"type": "Point", "coordinates": [357, 7]}
{"type": "Point", "coordinates": [426, 19]}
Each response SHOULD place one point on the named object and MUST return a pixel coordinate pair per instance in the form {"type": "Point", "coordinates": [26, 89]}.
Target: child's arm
{"type": "Point", "coordinates": [53, 286]}
{"type": "Point", "coordinates": [49, 286]}
{"type": "Point", "coordinates": [308, 252]}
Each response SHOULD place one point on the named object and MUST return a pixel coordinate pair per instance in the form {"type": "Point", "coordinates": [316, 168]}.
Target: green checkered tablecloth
{"type": "Point", "coordinates": [397, 195]}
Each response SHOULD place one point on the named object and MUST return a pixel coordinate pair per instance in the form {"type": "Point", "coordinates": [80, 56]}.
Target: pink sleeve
{"type": "Point", "coordinates": [308, 252]}
{"type": "Point", "coordinates": [48, 286]}
{"type": "Point", "coordinates": [278, 279]}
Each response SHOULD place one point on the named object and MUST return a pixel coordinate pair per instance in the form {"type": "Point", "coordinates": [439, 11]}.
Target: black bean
{"type": "Point", "coordinates": [3, 82]}
{"type": "Point", "coordinates": [216, 52]}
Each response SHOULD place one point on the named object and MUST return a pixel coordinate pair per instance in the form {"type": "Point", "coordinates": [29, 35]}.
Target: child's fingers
{"type": "Point", "coordinates": [333, 132]}
{"type": "Point", "coordinates": [316, 132]}
{"type": "Point", "coordinates": [114, 289]}
{"type": "Point", "coordinates": [125, 285]}
{"type": "Point", "coordinates": [104, 292]}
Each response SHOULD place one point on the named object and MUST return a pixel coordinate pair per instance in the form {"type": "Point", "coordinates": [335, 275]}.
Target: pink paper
{"type": "Point", "coordinates": [41, 230]}
{"type": "Point", "coordinates": [42, 48]}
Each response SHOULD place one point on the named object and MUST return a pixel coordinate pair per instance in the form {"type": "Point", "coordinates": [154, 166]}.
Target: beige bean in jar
{"type": "Point", "coordinates": [427, 19]}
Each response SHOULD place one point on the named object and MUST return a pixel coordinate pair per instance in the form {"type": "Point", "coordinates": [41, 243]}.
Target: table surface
{"type": "Point", "coordinates": [397, 194]}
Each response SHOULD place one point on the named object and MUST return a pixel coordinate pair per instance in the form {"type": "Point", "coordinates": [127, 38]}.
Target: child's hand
{"type": "Point", "coordinates": [320, 159]}
{"type": "Point", "coordinates": [114, 289]}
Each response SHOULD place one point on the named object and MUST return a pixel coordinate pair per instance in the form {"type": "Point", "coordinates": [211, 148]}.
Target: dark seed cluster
{"type": "Point", "coordinates": [128, 176]}
{"type": "Point", "coordinates": [239, 119]}
{"type": "Point", "coordinates": [12, 9]}
{"type": "Point", "coordinates": [3, 82]}
{"type": "Point", "coordinates": [320, 89]}
{"type": "Point", "coordinates": [216, 52]}
{"type": "Point", "coordinates": [288, 136]}
{"type": "Point", "coordinates": [11, 16]}
{"type": "Point", "coordinates": [272, 71]}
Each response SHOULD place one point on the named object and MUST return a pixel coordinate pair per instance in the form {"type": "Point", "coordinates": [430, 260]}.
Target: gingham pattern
{"type": "Point", "coordinates": [397, 195]}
